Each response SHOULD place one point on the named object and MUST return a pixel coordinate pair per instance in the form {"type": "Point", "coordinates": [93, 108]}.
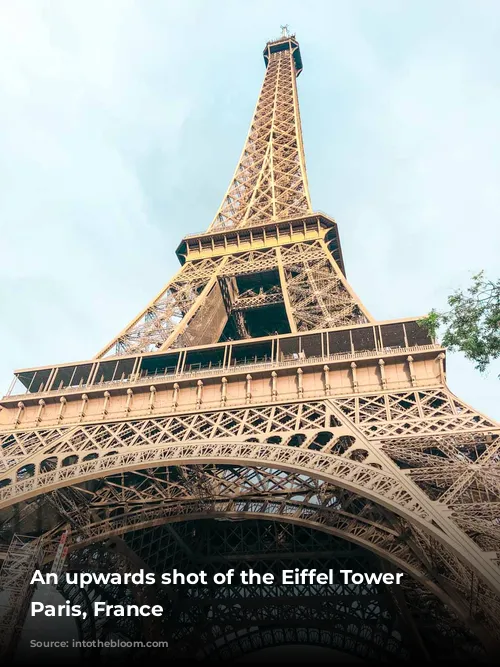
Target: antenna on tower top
{"type": "Point", "coordinates": [284, 30]}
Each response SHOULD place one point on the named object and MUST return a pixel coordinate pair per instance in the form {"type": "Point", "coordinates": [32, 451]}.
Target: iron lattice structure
{"type": "Point", "coordinates": [255, 413]}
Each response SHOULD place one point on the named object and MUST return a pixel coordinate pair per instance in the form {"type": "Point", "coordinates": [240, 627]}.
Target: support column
{"type": "Point", "coordinates": [23, 558]}
{"type": "Point", "coordinates": [284, 289]}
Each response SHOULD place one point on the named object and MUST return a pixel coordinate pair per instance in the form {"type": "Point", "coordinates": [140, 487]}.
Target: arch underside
{"type": "Point", "coordinates": [223, 622]}
{"type": "Point", "coordinates": [146, 509]}
{"type": "Point", "coordinates": [414, 502]}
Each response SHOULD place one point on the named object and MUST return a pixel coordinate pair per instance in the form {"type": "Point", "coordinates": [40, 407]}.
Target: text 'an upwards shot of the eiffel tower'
{"type": "Point", "coordinates": [256, 416]}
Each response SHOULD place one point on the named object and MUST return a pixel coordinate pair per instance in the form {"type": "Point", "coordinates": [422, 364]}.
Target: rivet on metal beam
{"type": "Point", "coordinates": [300, 386]}
{"type": "Point", "coordinates": [130, 393]}
{"type": "Point", "coordinates": [442, 374]}
{"type": "Point", "coordinates": [63, 402]}
{"type": "Point", "coordinates": [106, 402]}
{"type": "Point", "coordinates": [20, 406]}
{"type": "Point", "coordinates": [175, 397]}
{"type": "Point", "coordinates": [223, 392]}
{"type": "Point", "coordinates": [41, 403]}
{"type": "Point", "coordinates": [411, 368]}
{"type": "Point", "coordinates": [85, 400]}
{"type": "Point", "coordinates": [199, 393]}
{"type": "Point", "coordinates": [248, 392]}
{"type": "Point", "coordinates": [326, 371]}
{"type": "Point", "coordinates": [274, 385]}
{"type": "Point", "coordinates": [354, 376]}
{"type": "Point", "coordinates": [152, 396]}
{"type": "Point", "coordinates": [381, 364]}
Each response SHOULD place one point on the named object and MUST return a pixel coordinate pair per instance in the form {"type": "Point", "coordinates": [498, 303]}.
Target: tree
{"type": "Point", "coordinates": [472, 324]}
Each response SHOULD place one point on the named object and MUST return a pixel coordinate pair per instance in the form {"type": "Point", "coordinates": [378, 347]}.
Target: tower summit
{"type": "Point", "coordinates": [254, 410]}
{"type": "Point", "coordinates": [270, 181]}
{"type": "Point", "coordinates": [286, 42]}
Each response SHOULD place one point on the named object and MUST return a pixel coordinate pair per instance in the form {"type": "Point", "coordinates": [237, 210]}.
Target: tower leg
{"type": "Point", "coordinates": [23, 557]}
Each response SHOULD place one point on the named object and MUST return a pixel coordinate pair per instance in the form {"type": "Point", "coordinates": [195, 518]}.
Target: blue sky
{"type": "Point", "coordinates": [121, 124]}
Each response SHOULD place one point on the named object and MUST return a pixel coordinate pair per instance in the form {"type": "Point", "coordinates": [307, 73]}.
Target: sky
{"type": "Point", "coordinates": [121, 124]}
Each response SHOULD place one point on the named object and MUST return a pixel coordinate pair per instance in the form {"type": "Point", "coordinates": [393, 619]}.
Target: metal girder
{"type": "Point", "coordinates": [349, 435]}
{"type": "Point", "coordinates": [366, 624]}
{"type": "Point", "coordinates": [23, 557]}
{"type": "Point", "coordinates": [270, 180]}
{"type": "Point", "coordinates": [360, 466]}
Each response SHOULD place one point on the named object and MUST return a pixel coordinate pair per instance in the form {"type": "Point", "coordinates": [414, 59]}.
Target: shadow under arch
{"type": "Point", "coordinates": [339, 643]}
{"type": "Point", "coordinates": [285, 511]}
{"type": "Point", "coordinates": [344, 632]}
{"type": "Point", "coordinates": [380, 486]}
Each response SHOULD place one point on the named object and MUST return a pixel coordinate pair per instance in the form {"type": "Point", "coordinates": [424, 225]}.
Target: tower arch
{"type": "Point", "coordinates": [256, 386]}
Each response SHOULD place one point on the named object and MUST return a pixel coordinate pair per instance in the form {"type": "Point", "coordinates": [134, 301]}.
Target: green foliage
{"type": "Point", "coordinates": [472, 324]}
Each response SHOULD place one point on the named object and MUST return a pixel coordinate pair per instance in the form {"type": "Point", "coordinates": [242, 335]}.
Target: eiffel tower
{"type": "Point", "coordinates": [255, 415]}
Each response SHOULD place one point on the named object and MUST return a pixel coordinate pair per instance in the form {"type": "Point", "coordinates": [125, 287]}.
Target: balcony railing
{"type": "Point", "coordinates": [295, 359]}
